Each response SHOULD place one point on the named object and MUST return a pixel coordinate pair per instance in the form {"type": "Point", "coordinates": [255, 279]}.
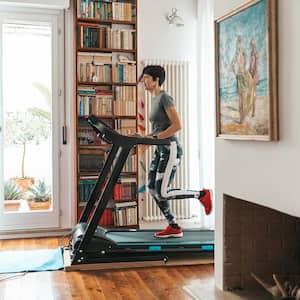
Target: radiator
{"type": "Point", "coordinates": [176, 84]}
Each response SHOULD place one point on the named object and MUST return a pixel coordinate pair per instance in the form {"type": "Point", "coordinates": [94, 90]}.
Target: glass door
{"type": "Point", "coordinates": [29, 147]}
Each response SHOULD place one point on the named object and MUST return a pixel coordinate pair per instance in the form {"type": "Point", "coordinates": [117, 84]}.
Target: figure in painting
{"type": "Point", "coordinates": [253, 70]}
{"type": "Point", "coordinates": [246, 85]}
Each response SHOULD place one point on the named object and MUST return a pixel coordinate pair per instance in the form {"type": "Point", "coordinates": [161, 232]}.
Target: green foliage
{"type": "Point", "coordinates": [23, 127]}
{"type": "Point", "coordinates": [20, 128]}
{"type": "Point", "coordinates": [12, 191]}
{"type": "Point", "coordinates": [45, 92]}
{"type": "Point", "coordinates": [39, 192]}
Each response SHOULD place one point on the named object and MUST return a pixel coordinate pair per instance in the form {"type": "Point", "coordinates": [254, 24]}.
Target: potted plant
{"type": "Point", "coordinates": [12, 195]}
{"type": "Point", "coordinates": [20, 129]}
{"type": "Point", "coordinates": [39, 196]}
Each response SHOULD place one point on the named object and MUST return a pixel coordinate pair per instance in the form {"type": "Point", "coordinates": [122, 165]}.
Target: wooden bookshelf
{"type": "Point", "coordinates": [106, 86]}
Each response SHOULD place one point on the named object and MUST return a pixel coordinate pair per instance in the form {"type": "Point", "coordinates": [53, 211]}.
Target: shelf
{"type": "Point", "coordinates": [87, 152]}
{"type": "Point", "coordinates": [112, 201]}
{"type": "Point", "coordinates": [109, 50]}
{"type": "Point", "coordinates": [105, 83]}
{"type": "Point", "coordinates": [92, 147]}
{"type": "Point", "coordinates": [136, 226]}
{"type": "Point", "coordinates": [90, 174]}
{"type": "Point", "coordinates": [110, 117]}
{"type": "Point", "coordinates": [109, 21]}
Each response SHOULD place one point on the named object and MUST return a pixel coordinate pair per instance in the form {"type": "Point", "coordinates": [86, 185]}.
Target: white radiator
{"type": "Point", "coordinates": [176, 85]}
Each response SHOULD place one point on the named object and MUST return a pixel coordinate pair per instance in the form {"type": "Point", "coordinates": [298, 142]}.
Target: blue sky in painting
{"type": "Point", "coordinates": [249, 23]}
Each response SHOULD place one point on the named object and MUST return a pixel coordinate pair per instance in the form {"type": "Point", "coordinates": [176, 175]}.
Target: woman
{"type": "Point", "coordinates": [165, 123]}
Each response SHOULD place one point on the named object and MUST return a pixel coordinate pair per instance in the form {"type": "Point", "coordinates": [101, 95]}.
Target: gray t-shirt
{"type": "Point", "coordinates": [158, 116]}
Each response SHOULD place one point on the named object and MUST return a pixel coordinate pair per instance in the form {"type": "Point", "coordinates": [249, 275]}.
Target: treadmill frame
{"type": "Point", "coordinates": [88, 233]}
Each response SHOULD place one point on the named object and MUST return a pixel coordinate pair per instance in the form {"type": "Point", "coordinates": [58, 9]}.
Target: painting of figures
{"type": "Point", "coordinates": [246, 75]}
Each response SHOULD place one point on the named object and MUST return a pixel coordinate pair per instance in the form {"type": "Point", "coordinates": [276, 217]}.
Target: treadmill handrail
{"type": "Point", "coordinates": [111, 136]}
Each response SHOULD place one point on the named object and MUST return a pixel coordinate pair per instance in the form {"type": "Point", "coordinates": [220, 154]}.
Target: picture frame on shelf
{"type": "Point", "coordinates": [246, 72]}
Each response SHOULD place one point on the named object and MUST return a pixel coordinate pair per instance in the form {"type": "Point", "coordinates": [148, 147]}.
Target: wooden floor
{"type": "Point", "coordinates": [147, 283]}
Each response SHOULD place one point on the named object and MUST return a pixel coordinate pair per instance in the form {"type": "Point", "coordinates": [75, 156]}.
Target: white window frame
{"type": "Point", "coordinates": [56, 18]}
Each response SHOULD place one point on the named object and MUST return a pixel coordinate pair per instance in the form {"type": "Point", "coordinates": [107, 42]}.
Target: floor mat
{"type": "Point", "coordinates": [31, 260]}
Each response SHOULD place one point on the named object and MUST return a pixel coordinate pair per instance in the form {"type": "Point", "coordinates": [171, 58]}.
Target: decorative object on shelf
{"type": "Point", "coordinates": [174, 19]}
{"type": "Point", "coordinates": [246, 72]}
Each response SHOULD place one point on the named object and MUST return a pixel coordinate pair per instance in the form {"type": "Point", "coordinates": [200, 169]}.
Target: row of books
{"type": "Point", "coordinates": [95, 9]}
{"type": "Point", "coordinates": [88, 137]}
{"type": "Point", "coordinates": [100, 105]}
{"type": "Point", "coordinates": [89, 162]}
{"type": "Point", "coordinates": [125, 189]}
{"type": "Point", "coordinates": [105, 10]}
{"type": "Point", "coordinates": [118, 92]}
{"type": "Point", "coordinates": [125, 216]}
{"type": "Point", "coordinates": [123, 93]}
{"type": "Point", "coordinates": [121, 73]}
{"type": "Point", "coordinates": [130, 164]}
{"type": "Point", "coordinates": [123, 11]}
{"type": "Point", "coordinates": [85, 189]}
{"type": "Point", "coordinates": [124, 73]}
{"type": "Point", "coordinates": [103, 105]}
{"type": "Point", "coordinates": [94, 73]}
{"type": "Point", "coordinates": [125, 126]}
{"type": "Point", "coordinates": [107, 218]}
{"type": "Point", "coordinates": [97, 36]}
{"type": "Point", "coordinates": [93, 163]}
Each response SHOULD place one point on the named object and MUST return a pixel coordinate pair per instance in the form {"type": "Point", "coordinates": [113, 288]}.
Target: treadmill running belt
{"type": "Point", "coordinates": [194, 237]}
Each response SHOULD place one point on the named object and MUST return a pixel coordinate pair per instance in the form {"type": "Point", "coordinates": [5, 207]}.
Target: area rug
{"type": "Point", "coordinates": [31, 260]}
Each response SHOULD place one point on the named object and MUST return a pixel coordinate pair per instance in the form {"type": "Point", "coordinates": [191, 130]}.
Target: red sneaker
{"type": "Point", "coordinates": [206, 201]}
{"type": "Point", "coordinates": [169, 232]}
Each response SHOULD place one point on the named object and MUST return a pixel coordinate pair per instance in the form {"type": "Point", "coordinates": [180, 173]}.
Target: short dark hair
{"type": "Point", "coordinates": [155, 71]}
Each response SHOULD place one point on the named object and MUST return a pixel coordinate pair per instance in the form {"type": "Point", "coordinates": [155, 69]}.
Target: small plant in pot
{"type": "Point", "coordinates": [12, 195]}
{"type": "Point", "coordinates": [39, 196]}
{"type": "Point", "coordinates": [20, 129]}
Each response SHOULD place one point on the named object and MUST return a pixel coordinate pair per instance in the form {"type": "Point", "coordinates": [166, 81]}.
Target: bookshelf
{"type": "Point", "coordinates": [106, 86]}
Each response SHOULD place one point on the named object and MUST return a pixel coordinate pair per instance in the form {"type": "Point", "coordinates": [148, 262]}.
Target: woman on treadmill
{"type": "Point", "coordinates": [165, 123]}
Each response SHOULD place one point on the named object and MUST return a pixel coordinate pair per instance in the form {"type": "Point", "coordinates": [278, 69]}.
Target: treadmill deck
{"type": "Point", "coordinates": [147, 238]}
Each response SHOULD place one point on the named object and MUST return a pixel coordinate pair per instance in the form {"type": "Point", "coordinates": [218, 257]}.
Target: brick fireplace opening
{"type": "Point", "coordinates": [258, 240]}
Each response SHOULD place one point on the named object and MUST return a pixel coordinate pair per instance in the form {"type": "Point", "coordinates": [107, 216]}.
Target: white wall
{"type": "Point", "coordinates": [266, 173]}
{"type": "Point", "coordinates": [157, 39]}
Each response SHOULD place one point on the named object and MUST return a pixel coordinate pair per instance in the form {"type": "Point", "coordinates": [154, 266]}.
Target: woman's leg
{"type": "Point", "coordinates": [167, 169]}
{"type": "Point", "coordinates": [152, 185]}
{"type": "Point", "coordinates": [170, 157]}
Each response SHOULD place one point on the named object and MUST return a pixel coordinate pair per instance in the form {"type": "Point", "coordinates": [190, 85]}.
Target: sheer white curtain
{"type": "Point", "coordinates": [206, 99]}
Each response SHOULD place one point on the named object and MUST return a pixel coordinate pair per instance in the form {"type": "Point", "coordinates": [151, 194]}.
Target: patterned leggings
{"type": "Point", "coordinates": [161, 175]}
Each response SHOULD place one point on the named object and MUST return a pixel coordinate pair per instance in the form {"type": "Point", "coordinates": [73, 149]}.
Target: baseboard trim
{"type": "Point", "coordinates": [32, 233]}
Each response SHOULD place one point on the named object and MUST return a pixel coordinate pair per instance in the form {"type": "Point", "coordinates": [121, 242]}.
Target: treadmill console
{"type": "Point", "coordinates": [111, 136]}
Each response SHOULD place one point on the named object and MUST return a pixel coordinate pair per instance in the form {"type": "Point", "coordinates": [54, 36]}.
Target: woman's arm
{"type": "Point", "coordinates": [175, 123]}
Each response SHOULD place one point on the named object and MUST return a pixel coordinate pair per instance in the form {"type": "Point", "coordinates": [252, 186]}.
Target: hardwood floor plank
{"type": "Point", "coordinates": [60, 286]}
{"type": "Point", "coordinates": [77, 286]}
{"type": "Point", "coordinates": [92, 287]}
{"type": "Point", "coordinates": [107, 285]}
{"type": "Point", "coordinates": [123, 285]}
{"type": "Point", "coordinates": [148, 283]}
{"type": "Point", "coordinates": [139, 285]}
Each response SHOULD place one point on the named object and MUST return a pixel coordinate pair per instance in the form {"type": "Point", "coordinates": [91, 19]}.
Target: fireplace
{"type": "Point", "coordinates": [258, 240]}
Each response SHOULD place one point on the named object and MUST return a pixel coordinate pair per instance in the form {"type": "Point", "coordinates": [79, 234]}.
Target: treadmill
{"type": "Point", "coordinates": [92, 244]}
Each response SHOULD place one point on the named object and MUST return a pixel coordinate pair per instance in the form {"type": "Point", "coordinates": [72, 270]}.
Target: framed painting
{"type": "Point", "coordinates": [246, 72]}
